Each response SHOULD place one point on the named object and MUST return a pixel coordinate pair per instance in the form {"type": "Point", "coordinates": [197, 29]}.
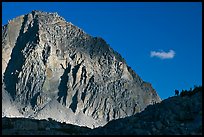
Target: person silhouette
{"type": "Point", "coordinates": [176, 92]}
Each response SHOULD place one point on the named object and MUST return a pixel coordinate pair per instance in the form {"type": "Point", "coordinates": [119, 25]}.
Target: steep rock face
{"type": "Point", "coordinates": [45, 58]}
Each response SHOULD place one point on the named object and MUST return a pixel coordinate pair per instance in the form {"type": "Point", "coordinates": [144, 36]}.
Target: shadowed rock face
{"type": "Point", "coordinates": [46, 59]}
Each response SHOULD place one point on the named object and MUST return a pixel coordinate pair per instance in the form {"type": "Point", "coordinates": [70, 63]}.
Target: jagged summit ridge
{"type": "Point", "coordinates": [51, 66]}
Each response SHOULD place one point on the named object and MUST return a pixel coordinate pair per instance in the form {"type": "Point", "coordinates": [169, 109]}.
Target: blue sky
{"type": "Point", "coordinates": [161, 41]}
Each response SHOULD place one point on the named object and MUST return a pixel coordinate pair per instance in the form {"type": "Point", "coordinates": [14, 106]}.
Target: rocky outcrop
{"type": "Point", "coordinates": [46, 59]}
{"type": "Point", "coordinates": [173, 116]}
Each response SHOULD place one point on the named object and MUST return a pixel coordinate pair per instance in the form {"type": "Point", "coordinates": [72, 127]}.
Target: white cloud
{"type": "Point", "coordinates": [162, 54]}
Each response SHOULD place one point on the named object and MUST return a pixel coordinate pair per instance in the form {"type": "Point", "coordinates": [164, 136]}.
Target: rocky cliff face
{"type": "Point", "coordinates": [51, 68]}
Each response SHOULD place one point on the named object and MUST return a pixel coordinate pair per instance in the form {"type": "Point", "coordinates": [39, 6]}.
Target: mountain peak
{"type": "Point", "coordinates": [37, 11]}
{"type": "Point", "coordinates": [52, 68]}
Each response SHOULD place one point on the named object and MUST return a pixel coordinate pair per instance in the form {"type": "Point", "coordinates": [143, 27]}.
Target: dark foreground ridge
{"type": "Point", "coordinates": [178, 115]}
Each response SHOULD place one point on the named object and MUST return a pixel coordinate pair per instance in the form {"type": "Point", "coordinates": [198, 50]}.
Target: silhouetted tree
{"type": "Point", "coordinates": [191, 92]}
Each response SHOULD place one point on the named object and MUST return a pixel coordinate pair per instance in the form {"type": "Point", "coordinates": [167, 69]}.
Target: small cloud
{"type": "Point", "coordinates": [163, 55]}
